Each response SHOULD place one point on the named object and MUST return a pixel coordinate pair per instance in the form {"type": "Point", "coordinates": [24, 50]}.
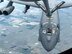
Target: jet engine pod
{"type": "Point", "coordinates": [8, 10]}
{"type": "Point", "coordinates": [30, 0]}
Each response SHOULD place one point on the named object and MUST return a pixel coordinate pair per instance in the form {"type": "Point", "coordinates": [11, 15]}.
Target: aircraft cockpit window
{"type": "Point", "coordinates": [49, 30]}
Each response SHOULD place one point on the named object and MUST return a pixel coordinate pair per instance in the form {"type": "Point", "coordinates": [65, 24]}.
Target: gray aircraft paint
{"type": "Point", "coordinates": [52, 23]}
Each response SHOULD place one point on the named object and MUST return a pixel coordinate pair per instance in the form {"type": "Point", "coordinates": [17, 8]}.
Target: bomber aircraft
{"type": "Point", "coordinates": [49, 32]}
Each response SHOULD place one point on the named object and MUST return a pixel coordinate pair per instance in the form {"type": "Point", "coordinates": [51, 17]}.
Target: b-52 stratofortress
{"type": "Point", "coordinates": [49, 32]}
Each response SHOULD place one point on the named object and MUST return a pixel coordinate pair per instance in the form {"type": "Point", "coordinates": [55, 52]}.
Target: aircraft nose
{"type": "Point", "coordinates": [49, 49]}
{"type": "Point", "coordinates": [49, 45]}
{"type": "Point", "coordinates": [49, 37]}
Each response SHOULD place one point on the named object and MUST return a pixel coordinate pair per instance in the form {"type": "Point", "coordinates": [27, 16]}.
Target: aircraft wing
{"type": "Point", "coordinates": [66, 4]}
{"type": "Point", "coordinates": [26, 3]}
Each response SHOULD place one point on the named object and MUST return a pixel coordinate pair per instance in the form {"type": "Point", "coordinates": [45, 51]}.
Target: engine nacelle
{"type": "Point", "coordinates": [8, 10]}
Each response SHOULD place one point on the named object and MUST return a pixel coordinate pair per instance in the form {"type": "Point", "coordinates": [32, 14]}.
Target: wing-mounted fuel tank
{"type": "Point", "coordinates": [49, 31]}
{"type": "Point", "coordinates": [8, 9]}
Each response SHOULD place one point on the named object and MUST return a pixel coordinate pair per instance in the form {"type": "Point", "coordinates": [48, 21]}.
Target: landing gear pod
{"type": "Point", "coordinates": [49, 31]}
